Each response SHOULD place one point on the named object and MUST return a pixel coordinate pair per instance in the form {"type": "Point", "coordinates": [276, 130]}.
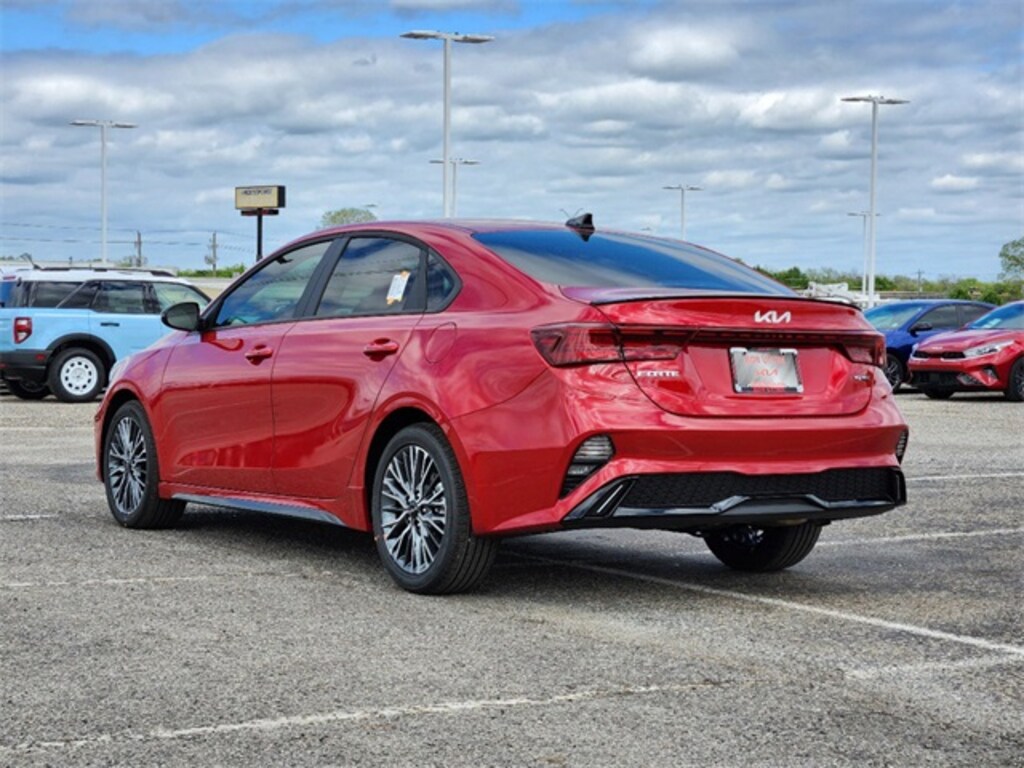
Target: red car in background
{"type": "Point", "coordinates": [986, 355]}
{"type": "Point", "coordinates": [445, 384]}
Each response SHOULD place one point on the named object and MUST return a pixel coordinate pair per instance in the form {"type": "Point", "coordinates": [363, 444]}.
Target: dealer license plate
{"type": "Point", "coordinates": [765, 371]}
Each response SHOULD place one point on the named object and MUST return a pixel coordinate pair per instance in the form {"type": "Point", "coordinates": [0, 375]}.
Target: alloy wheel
{"type": "Point", "coordinates": [127, 466]}
{"type": "Point", "coordinates": [414, 509]}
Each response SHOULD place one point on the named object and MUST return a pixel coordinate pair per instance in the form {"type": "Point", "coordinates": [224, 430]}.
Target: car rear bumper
{"type": "Point", "coordinates": [25, 365]}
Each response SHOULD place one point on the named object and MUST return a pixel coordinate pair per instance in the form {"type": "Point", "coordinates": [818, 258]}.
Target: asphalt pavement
{"type": "Point", "coordinates": [241, 640]}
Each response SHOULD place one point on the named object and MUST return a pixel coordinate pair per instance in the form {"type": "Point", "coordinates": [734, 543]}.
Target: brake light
{"type": "Point", "coordinates": [869, 350]}
{"type": "Point", "coordinates": [590, 344]}
{"type": "Point", "coordinates": [22, 329]}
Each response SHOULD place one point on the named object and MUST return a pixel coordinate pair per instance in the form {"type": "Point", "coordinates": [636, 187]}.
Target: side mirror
{"type": "Point", "coordinates": [918, 327]}
{"type": "Point", "coordinates": [181, 317]}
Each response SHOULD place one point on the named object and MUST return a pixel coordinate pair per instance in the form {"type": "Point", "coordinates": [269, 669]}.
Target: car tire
{"type": "Point", "coordinates": [894, 371]}
{"type": "Point", "coordinates": [131, 472]}
{"type": "Point", "coordinates": [938, 394]}
{"type": "Point", "coordinates": [1015, 386]}
{"type": "Point", "coordinates": [27, 391]}
{"type": "Point", "coordinates": [421, 519]}
{"type": "Point", "coordinates": [77, 375]}
{"type": "Point", "coordinates": [749, 548]}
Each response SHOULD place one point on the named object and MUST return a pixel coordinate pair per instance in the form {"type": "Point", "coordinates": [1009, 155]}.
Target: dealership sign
{"type": "Point", "coordinates": [249, 198]}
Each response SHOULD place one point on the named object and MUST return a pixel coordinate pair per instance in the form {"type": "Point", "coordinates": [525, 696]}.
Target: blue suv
{"type": "Point", "coordinates": [61, 331]}
{"type": "Point", "coordinates": [906, 323]}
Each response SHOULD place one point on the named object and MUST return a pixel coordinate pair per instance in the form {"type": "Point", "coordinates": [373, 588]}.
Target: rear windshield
{"type": "Point", "coordinates": [563, 257]}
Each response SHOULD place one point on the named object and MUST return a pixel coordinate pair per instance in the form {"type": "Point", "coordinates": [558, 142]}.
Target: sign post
{"type": "Point", "coordinates": [259, 202]}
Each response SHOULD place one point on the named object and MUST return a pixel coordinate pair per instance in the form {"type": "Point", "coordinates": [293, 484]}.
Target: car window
{"type": "Point", "coordinates": [374, 276]}
{"type": "Point", "coordinates": [121, 298]}
{"type": "Point", "coordinates": [272, 293]}
{"type": "Point", "coordinates": [442, 284]}
{"type": "Point", "coordinates": [972, 312]}
{"type": "Point", "coordinates": [42, 293]}
{"type": "Point", "coordinates": [889, 317]}
{"type": "Point", "coordinates": [81, 297]}
{"type": "Point", "coordinates": [169, 294]}
{"type": "Point", "coordinates": [565, 257]}
{"type": "Point", "coordinates": [941, 317]}
{"type": "Point", "coordinates": [1006, 317]}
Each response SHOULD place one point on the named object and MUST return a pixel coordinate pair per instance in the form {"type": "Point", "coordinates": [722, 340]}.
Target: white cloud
{"type": "Point", "coordinates": [951, 183]}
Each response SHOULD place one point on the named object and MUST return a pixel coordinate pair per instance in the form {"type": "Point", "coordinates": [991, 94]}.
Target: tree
{"type": "Point", "coordinates": [1011, 257]}
{"type": "Point", "coordinates": [346, 216]}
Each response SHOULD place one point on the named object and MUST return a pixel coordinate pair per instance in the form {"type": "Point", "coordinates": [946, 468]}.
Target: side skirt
{"type": "Point", "coordinates": [269, 508]}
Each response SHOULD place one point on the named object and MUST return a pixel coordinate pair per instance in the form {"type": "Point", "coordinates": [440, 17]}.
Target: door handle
{"type": "Point", "coordinates": [111, 325]}
{"type": "Point", "coordinates": [257, 355]}
{"type": "Point", "coordinates": [380, 348]}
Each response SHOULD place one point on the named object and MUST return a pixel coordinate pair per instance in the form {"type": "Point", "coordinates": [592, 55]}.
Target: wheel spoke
{"type": "Point", "coordinates": [413, 509]}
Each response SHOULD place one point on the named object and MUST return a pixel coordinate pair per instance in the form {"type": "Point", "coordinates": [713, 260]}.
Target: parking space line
{"type": "Point", "coordinates": [978, 476]}
{"type": "Point", "coordinates": [925, 667]}
{"type": "Point", "coordinates": [912, 537]}
{"type": "Point", "coordinates": [23, 518]}
{"type": "Point", "coordinates": [774, 602]}
{"type": "Point", "coordinates": [356, 715]}
{"type": "Point", "coordinates": [143, 580]}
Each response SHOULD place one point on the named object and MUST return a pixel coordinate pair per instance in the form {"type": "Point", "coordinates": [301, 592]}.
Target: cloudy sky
{"type": "Point", "coordinates": [577, 105]}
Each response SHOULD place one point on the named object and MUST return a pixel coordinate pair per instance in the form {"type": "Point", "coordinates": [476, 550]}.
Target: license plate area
{"type": "Point", "coordinates": [765, 371]}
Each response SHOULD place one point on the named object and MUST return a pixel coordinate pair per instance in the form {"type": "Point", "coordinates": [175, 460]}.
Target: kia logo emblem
{"type": "Point", "coordinates": [771, 316]}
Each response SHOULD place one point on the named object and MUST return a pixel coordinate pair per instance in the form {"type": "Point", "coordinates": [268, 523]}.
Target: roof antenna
{"type": "Point", "coordinates": [583, 224]}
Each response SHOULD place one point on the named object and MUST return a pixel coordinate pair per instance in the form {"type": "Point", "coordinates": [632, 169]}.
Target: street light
{"type": "Point", "coordinates": [864, 237]}
{"type": "Point", "coordinates": [875, 101]}
{"type": "Point", "coordinates": [683, 189]}
{"type": "Point", "coordinates": [455, 162]}
{"type": "Point", "coordinates": [103, 125]}
{"type": "Point", "coordinates": [448, 38]}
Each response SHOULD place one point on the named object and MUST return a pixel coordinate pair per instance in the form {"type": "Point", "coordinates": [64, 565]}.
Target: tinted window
{"type": "Point", "coordinates": [1009, 317]}
{"type": "Point", "coordinates": [274, 292]}
{"type": "Point", "coordinates": [81, 297]}
{"type": "Point", "coordinates": [621, 261]}
{"type": "Point", "coordinates": [941, 317]}
{"type": "Point", "coordinates": [889, 317]}
{"type": "Point", "coordinates": [972, 312]}
{"type": "Point", "coordinates": [442, 284]}
{"type": "Point", "coordinates": [374, 276]}
{"type": "Point", "coordinates": [169, 294]}
{"type": "Point", "coordinates": [121, 298]}
{"type": "Point", "coordinates": [42, 293]}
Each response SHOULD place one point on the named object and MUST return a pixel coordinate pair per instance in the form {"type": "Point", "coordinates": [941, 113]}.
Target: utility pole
{"type": "Point", "coordinates": [138, 249]}
{"type": "Point", "coordinates": [211, 257]}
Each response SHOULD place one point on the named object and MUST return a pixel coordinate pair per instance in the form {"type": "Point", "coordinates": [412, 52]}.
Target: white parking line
{"type": "Point", "coordinates": [910, 537]}
{"type": "Point", "coordinates": [355, 715]}
{"type": "Point", "coordinates": [145, 580]}
{"type": "Point", "coordinates": [871, 621]}
{"type": "Point", "coordinates": [981, 476]}
{"type": "Point", "coordinates": [926, 667]}
{"type": "Point", "coordinates": [23, 518]}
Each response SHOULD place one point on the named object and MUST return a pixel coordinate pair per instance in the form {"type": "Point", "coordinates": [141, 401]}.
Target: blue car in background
{"type": "Point", "coordinates": [906, 323]}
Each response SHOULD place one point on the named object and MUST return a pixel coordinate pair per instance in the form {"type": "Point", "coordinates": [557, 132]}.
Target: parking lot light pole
{"type": "Point", "coordinates": [103, 125]}
{"type": "Point", "coordinates": [875, 101]}
{"type": "Point", "coordinates": [448, 38]}
{"type": "Point", "coordinates": [683, 189]}
{"type": "Point", "coordinates": [864, 247]}
{"type": "Point", "coordinates": [455, 163]}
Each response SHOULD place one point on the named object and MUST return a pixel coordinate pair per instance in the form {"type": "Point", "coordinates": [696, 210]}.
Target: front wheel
{"type": "Point", "coordinates": [749, 548]}
{"type": "Point", "coordinates": [77, 375]}
{"type": "Point", "coordinates": [24, 390]}
{"type": "Point", "coordinates": [1015, 386]}
{"type": "Point", "coordinates": [131, 473]}
{"type": "Point", "coordinates": [421, 520]}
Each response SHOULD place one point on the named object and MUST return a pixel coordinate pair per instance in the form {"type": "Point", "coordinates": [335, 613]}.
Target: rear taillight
{"type": "Point", "coordinates": [22, 329]}
{"type": "Point", "coordinates": [869, 350]}
{"type": "Point", "coordinates": [589, 344]}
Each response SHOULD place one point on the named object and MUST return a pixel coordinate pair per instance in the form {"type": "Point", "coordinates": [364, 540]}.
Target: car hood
{"type": "Point", "coordinates": [958, 341]}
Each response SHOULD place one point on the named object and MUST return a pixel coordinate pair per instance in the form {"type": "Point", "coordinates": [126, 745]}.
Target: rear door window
{"type": "Point", "coordinates": [374, 276]}
{"type": "Point", "coordinates": [941, 318]}
{"type": "Point", "coordinates": [120, 298]}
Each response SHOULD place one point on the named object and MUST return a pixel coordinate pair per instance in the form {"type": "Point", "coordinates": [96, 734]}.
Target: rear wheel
{"type": "Point", "coordinates": [131, 472]}
{"type": "Point", "coordinates": [894, 371]}
{"type": "Point", "coordinates": [25, 390]}
{"type": "Point", "coordinates": [1015, 386]}
{"type": "Point", "coordinates": [77, 375]}
{"type": "Point", "coordinates": [938, 394]}
{"type": "Point", "coordinates": [421, 519]}
{"type": "Point", "coordinates": [748, 548]}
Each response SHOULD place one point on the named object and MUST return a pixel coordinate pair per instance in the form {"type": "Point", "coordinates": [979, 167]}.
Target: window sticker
{"type": "Point", "coordinates": [398, 284]}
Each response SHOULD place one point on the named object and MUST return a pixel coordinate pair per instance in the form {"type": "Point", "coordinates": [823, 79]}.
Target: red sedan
{"type": "Point", "coordinates": [445, 384]}
{"type": "Point", "coordinates": [987, 354]}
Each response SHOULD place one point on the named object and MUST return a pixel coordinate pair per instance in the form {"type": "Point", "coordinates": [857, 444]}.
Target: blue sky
{"type": "Point", "coordinates": [575, 106]}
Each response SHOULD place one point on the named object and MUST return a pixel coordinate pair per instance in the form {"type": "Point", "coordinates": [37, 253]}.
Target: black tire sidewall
{"type": "Point", "coordinates": [150, 499]}
{"type": "Point", "coordinates": [891, 359]}
{"type": "Point", "coordinates": [457, 526]}
{"type": "Point", "coordinates": [57, 386]}
{"type": "Point", "coordinates": [26, 392]}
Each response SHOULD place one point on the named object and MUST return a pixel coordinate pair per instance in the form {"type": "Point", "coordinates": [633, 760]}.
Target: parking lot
{"type": "Point", "coordinates": [237, 639]}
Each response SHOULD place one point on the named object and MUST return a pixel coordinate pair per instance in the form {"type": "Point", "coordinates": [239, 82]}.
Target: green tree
{"type": "Point", "coordinates": [1011, 257]}
{"type": "Point", "coordinates": [346, 216]}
